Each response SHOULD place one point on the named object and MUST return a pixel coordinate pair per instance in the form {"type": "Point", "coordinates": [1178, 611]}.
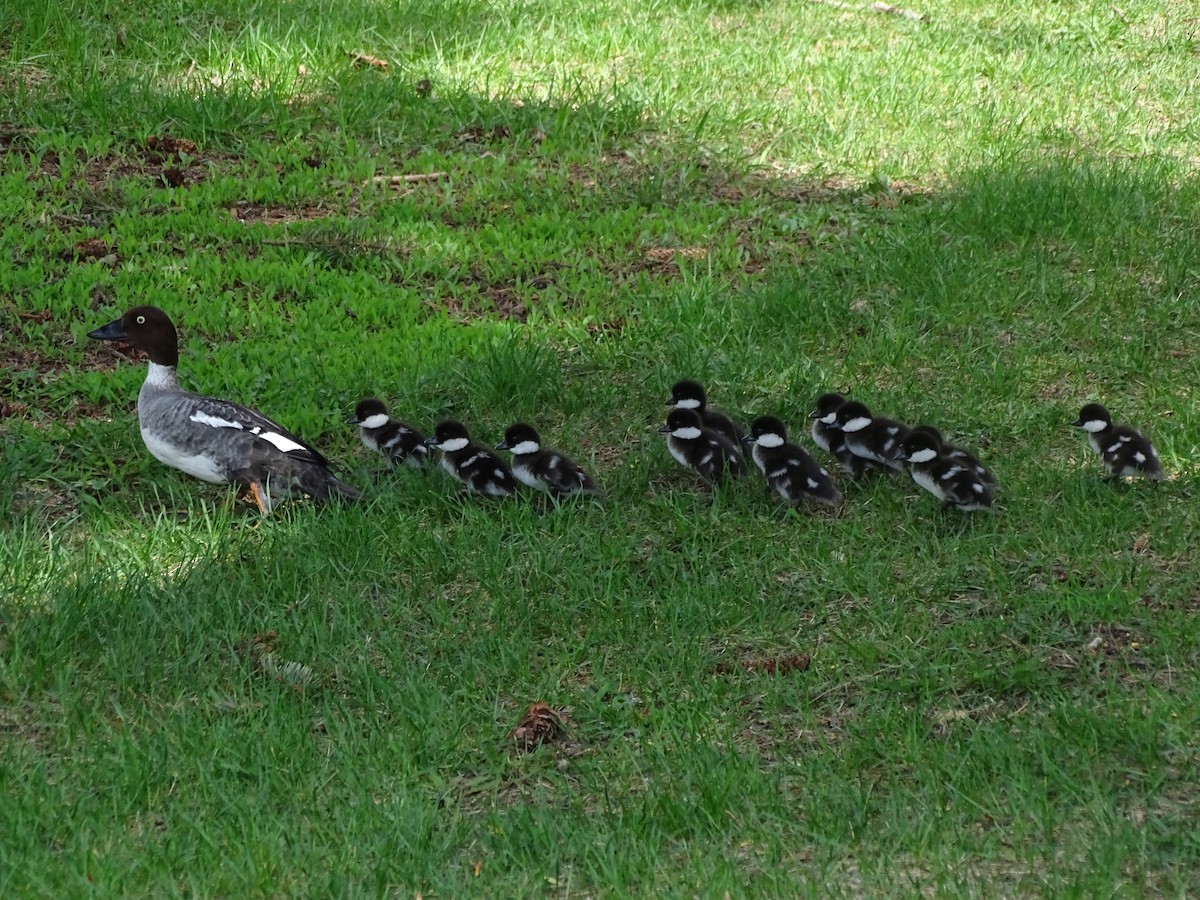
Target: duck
{"type": "Point", "coordinates": [959, 454]}
{"type": "Point", "coordinates": [950, 480]}
{"type": "Point", "coordinates": [688, 394]}
{"type": "Point", "coordinates": [832, 440]}
{"type": "Point", "coordinates": [1124, 450]}
{"type": "Point", "coordinates": [476, 468]}
{"type": "Point", "coordinates": [397, 441]}
{"type": "Point", "coordinates": [544, 470]}
{"type": "Point", "coordinates": [217, 441]}
{"type": "Point", "coordinates": [870, 437]}
{"type": "Point", "coordinates": [708, 453]}
{"type": "Point", "coordinates": [790, 471]}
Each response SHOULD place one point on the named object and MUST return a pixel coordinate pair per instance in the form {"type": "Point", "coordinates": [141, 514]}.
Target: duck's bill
{"type": "Point", "coordinates": [113, 331]}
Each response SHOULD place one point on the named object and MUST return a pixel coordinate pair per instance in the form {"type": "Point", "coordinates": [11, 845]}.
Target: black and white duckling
{"type": "Point", "coordinates": [217, 441]}
{"type": "Point", "coordinates": [478, 469]}
{"type": "Point", "coordinates": [544, 470]}
{"type": "Point", "coordinates": [397, 441]}
{"type": "Point", "coordinates": [1124, 450]}
{"type": "Point", "coordinates": [789, 470]}
{"type": "Point", "coordinates": [706, 452]}
{"type": "Point", "coordinates": [950, 480]}
{"type": "Point", "coordinates": [689, 394]}
{"type": "Point", "coordinates": [953, 451]}
{"type": "Point", "coordinates": [832, 439]}
{"type": "Point", "coordinates": [870, 437]}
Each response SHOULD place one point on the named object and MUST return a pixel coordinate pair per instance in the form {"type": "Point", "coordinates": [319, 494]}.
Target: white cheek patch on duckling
{"type": "Point", "coordinates": [1095, 425]}
{"type": "Point", "coordinates": [922, 456]}
{"type": "Point", "coordinates": [525, 448]}
{"type": "Point", "coordinates": [687, 404]}
{"type": "Point", "coordinates": [856, 424]}
{"type": "Point", "coordinates": [769, 440]}
{"type": "Point", "coordinates": [690, 433]}
{"type": "Point", "coordinates": [829, 419]}
{"type": "Point", "coordinates": [453, 445]}
{"type": "Point", "coordinates": [376, 421]}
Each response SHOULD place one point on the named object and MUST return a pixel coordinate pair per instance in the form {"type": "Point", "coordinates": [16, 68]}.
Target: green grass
{"type": "Point", "coordinates": [983, 221]}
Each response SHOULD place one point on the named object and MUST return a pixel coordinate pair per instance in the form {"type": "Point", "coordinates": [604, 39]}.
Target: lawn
{"type": "Point", "coordinates": [551, 210]}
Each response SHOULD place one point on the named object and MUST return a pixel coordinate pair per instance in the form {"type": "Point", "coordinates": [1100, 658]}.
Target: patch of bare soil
{"type": "Point", "coordinates": [172, 162]}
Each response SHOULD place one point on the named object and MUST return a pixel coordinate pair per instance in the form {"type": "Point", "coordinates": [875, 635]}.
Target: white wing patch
{"type": "Point", "coordinates": [279, 441]}
{"type": "Point", "coordinates": [214, 421]}
{"type": "Point", "coordinates": [1140, 456]}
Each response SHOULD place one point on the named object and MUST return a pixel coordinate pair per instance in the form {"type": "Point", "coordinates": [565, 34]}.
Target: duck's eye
{"type": "Point", "coordinates": [141, 320]}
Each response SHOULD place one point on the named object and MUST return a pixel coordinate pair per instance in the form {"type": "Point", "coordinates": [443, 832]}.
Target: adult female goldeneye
{"type": "Point", "coordinates": [789, 470]}
{"type": "Point", "coordinates": [216, 440]}
{"type": "Point", "coordinates": [544, 470]}
{"type": "Point", "coordinates": [1124, 450]}
{"type": "Point", "coordinates": [398, 441]}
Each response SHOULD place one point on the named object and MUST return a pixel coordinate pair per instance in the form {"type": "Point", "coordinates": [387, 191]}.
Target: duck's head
{"type": "Point", "coordinates": [369, 413]}
{"type": "Point", "coordinates": [521, 439]}
{"type": "Point", "coordinates": [1093, 418]}
{"type": "Point", "coordinates": [767, 431]}
{"type": "Point", "coordinates": [827, 407]}
{"type": "Point", "coordinates": [683, 423]}
{"type": "Point", "coordinates": [688, 394]}
{"type": "Point", "coordinates": [449, 436]}
{"type": "Point", "coordinates": [920, 446]}
{"type": "Point", "coordinates": [147, 328]}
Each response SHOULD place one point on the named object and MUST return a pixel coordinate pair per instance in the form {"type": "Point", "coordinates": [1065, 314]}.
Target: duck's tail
{"type": "Point", "coordinates": [327, 486]}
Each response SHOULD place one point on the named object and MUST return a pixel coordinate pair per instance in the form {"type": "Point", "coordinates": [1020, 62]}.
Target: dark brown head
{"type": "Point", "coordinates": [146, 328]}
